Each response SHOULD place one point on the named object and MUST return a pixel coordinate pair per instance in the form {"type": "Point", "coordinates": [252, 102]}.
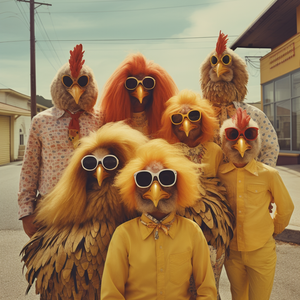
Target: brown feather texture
{"type": "Point", "coordinates": [66, 256]}
{"type": "Point", "coordinates": [230, 86]}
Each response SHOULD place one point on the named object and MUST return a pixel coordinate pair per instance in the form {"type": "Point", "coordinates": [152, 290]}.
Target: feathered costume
{"type": "Point", "coordinates": [78, 217]}
{"type": "Point", "coordinates": [212, 212]}
{"type": "Point", "coordinates": [224, 79]}
{"type": "Point", "coordinates": [116, 101]}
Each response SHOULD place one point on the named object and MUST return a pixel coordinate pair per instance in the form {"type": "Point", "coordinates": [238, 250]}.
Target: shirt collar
{"type": "Point", "coordinates": [251, 167]}
{"type": "Point", "coordinates": [58, 113]}
{"type": "Point", "coordinates": [145, 231]}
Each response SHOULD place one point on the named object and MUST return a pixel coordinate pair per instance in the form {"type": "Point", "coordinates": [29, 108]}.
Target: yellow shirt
{"type": "Point", "coordinates": [209, 154]}
{"type": "Point", "coordinates": [250, 191]}
{"type": "Point", "coordinates": [139, 267]}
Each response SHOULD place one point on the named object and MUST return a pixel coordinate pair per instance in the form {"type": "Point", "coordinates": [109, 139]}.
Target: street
{"type": "Point", "coordinates": [13, 283]}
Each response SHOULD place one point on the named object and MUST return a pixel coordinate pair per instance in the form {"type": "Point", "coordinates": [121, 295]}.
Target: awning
{"type": "Point", "coordinates": [6, 109]}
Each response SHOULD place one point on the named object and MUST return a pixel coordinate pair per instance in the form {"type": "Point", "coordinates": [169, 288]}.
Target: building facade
{"type": "Point", "coordinates": [15, 119]}
{"type": "Point", "coordinates": [278, 28]}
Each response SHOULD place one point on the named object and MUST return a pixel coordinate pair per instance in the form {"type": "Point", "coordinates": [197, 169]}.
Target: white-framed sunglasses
{"type": "Point", "coordinates": [91, 162]}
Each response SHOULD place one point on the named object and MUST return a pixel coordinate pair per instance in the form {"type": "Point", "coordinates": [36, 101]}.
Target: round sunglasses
{"type": "Point", "coordinates": [90, 162]}
{"type": "Point", "coordinates": [68, 82]}
{"type": "Point", "coordinates": [193, 116]}
{"type": "Point", "coordinates": [232, 133]}
{"type": "Point", "coordinates": [147, 82]}
{"type": "Point", "coordinates": [226, 59]}
{"type": "Point", "coordinates": [166, 178]}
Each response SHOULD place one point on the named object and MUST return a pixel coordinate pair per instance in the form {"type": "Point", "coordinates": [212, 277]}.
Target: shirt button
{"type": "Point", "coordinates": [240, 211]}
{"type": "Point", "coordinates": [239, 181]}
{"type": "Point", "coordinates": [161, 292]}
{"type": "Point", "coordinates": [240, 196]}
{"type": "Point", "coordinates": [161, 270]}
{"type": "Point", "coordinates": [160, 247]}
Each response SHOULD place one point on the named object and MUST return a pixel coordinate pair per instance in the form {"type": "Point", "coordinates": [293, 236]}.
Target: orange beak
{"type": "Point", "coordinates": [242, 146]}
{"type": "Point", "coordinates": [140, 93]}
{"type": "Point", "coordinates": [220, 69]}
{"type": "Point", "coordinates": [76, 91]}
{"type": "Point", "coordinates": [187, 126]}
{"type": "Point", "coordinates": [100, 174]}
{"type": "Point", "coordinates": [155, 193]}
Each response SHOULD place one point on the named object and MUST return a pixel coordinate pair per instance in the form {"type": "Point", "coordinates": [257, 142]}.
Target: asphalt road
{"type": "Point", "coordinates": [12, 238]}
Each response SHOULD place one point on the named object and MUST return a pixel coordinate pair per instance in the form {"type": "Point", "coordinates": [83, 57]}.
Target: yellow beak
{"type": "Point", "coordinates": [242, 146]}
{"type": "Point", "coordinates": [140, 93]}
{"type": "Point", "coordinates": [76, 91]}
{"type": "Point", "coordinates": [155, 193]}
{"type": "Point", "coordinates": [187, 126]}
{"type": "Point", "coordinates": [220, 69]}
{"type": "Point", "coordinates": [100, 174]}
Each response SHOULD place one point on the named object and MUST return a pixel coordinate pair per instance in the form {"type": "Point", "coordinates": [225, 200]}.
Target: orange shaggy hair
{"type": "Point", "coordinates": [194, 101]}
{"type": "Point", "coordinates": [159, 150]}
{"type": "Point", "coordinates": [68, 199]}
{"type": "Point", "coordinates": [115, 101]}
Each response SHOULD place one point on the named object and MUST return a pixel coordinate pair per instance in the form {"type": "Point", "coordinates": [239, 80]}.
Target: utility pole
{"type": "Point", "coordinates": [32, 55]}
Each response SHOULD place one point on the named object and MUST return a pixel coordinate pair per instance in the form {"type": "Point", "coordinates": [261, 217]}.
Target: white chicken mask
{"type": "Point", "coordinates": [241, 141]}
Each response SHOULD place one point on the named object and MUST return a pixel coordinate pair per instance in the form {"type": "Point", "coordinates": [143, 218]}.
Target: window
{"type": "Point", "coordinates": [281, 100]}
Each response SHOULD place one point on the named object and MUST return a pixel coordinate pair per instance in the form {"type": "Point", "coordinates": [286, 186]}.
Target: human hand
{"type": "Point", "coordinates": [30, 228]}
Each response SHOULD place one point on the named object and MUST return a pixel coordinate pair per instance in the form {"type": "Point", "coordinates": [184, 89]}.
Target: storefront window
{"type": "Point", "coordinates": [296, 84]}
{"type": "Point", "coordinates": [283, 123]}
{"type": "Point", "coordinates": [269, 111]}
{"type": "Point", "coordinates": [296, 124]}
{"type": "Point", "coordinates": [269, 93]}
{"type": "Point", "coordinates": [282, 89]}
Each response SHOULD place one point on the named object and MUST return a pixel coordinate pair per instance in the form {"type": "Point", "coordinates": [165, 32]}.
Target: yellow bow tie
{"type": "Point", "coordinates": [157, 225]}
{"type": "Point", "coordinates": [222, 110]}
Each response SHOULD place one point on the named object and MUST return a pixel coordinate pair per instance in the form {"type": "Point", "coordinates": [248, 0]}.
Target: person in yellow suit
{"type": "Point", "coordinates": [154, 256]}
{"type": "Point", "coordinates": [251, 187]}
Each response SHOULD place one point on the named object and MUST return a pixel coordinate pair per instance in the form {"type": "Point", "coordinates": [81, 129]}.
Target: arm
{"type": "Point", "coordinates": [283, 201]}
{"type": "Point", "coordinates": [29, 179]}
{"type": "Point", "coordinates": [116, 268]}
{"type": "Point", "coordinates": [202, 269]}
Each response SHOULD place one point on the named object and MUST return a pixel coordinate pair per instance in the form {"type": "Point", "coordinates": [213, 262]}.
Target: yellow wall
{"type": "Point", "coordinates": [281, 60]}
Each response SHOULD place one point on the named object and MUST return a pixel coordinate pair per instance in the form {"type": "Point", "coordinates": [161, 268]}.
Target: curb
{"type": "Point", "coordinates": [289, 236]}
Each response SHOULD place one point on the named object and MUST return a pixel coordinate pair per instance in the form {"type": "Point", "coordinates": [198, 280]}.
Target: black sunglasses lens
{"type": "Point", "coordinates": [167, 177]}
{"type": "Point", "coordinates": [109, 162]}
{"type": "Point", "coordinates": [143, 178]}
{"type": "Point", "coordinates": [89, 163]}
{"type": "Point", "coordinates": [232, 134]}
{"type": "Point", "coordinates": [194, 115]}
{"type": "Point", "coordinates": [148, 83]}
{"type": "Point", "coordinates": [176, 118]}
{"type": "Point", "coordinates": [250, 134]}
{"type": "Point", "coordinates": [67, 81]}
{"type": "Point", "coordinates": [131, 83]}
{"type": "Point", "coordinates": [213, 60]}
{"type": "Point", "coordinates": [83, 81]}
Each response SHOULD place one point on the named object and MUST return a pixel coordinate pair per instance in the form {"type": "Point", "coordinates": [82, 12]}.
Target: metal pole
{"type": "Point", "coordinates": [32, 61]}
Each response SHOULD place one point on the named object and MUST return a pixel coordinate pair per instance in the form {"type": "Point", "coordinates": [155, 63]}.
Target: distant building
{"type": "Point", "coordinates": [15, 119]}
{"type": "Point", "coordinates": [278, 28]}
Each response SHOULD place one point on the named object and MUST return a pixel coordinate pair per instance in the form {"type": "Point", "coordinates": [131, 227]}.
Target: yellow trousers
{"type": "Point", "coordinates": [251, 273]}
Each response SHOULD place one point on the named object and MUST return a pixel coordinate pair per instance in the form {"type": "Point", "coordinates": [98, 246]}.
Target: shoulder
{"type": "Point", "coordinates": [128, 227]}
{"type": "Point", "coordinates": [266, 169]}
{"type": "Point", "coordinates": [188, 224]}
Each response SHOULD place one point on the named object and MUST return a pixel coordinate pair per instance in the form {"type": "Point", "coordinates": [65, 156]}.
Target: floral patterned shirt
{"type": "Point", "coordinates": [47, 153]}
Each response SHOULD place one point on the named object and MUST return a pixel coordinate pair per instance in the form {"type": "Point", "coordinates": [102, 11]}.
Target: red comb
{"type": "Point", "coordinates": [76, 61]}
{"type": "Point", "coordinates": [221, 43]}
{"type": "Point", "coordinates": [241, 119]}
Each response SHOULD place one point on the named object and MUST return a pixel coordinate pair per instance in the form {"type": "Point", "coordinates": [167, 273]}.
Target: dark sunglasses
{"type": "Point", "coordinates": [68, 82]}
{"type": "Point", "coordinates": [193, 116]}
{"type": "Point", "coordinates": [90, 162]}
{"type": "Point", "coordinates": [250, 133]}
{"type": "Point", "coordinates": [226, 59]}
{"type": "Point", "coordinates": [166, 178]}
{"type": "Point", "coordinates": [147, 82]}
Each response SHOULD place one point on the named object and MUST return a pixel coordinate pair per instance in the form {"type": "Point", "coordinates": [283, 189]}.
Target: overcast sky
{"type": "Point", "coordinates": [176, 34]}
